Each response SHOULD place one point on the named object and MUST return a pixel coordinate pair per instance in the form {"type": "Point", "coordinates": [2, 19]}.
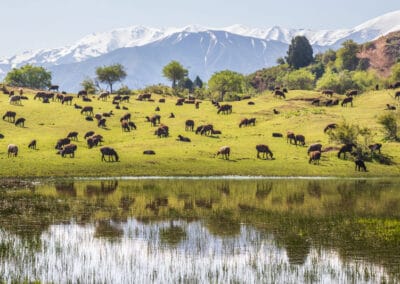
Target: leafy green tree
{"type": "Point", "coordinates": [280, 61]}
{"type": "Point", "coordinates": [363, 64]}
{"type": "Point", "coordinates": [300, 53]}
{"type": "Point", "coordinates": [338, 82]}
{"type": "Point", "coordinates": [389, 123]}
{"type": "Point", "coordinates": [301, 79]}
{"type": "Point", "coordinates": [347, 56]}
{"type": "Point", "coordinates": [365, 80]}
{"type": "Point", "coordinates": [198, 83]}
{"type": "Point", "coordinates": [395, 77]}
{"type": "Point", "coordinates": [226, 81]}
{"type": "Point", "coordinates": [89, 86]}
{"type": "Point", "coordinates": [111, 74]}
{"type": "Point", "coordinates": [187, 84]}
{"type": "Point", "coordinates": [174, 72]}
{"type": "Point", "coordinates": [29, 76]}
{"type": "Point", "coordinates": [328, 56]}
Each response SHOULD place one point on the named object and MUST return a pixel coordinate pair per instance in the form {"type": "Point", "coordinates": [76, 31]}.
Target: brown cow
{"type": "Point", "coordinates": [264, 149]}
{"type": "Point", "coordinates": [224, 151]}
{"type": "Point", "coordinates": [314, 156]}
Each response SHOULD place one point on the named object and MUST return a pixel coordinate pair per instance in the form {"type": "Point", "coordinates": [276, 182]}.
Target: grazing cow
{"type": "Point", "coordinates": [10, 115]}
{"type": "Point", "coordinates": [73, 135]}
{"type": "Point", "coordinates": [264, 150]}
{"type": "Point", "coordinates": [103, 96]}
{"type": "Point", "coordinates": [346, 148]}
{"type": "Point", "coordinates": [67, 100]}
{"type": "Point", "coordinates": [125, 98]}
{"type": "Point", "coordinates": [110, 152]}
{"type": "Point", "coordinates": [328, 93]}
{"type": "Point", "coordinates": [290, 137]}
{"type": "Point", "coordinates": [315, 156]}
{"type": "Point", "coordinates": [82, 93]}
{"type": "Point", "coordinates": [375, 147]}
{"type": "Point", "coordinates": [397, 95]}
{"type": "Point", "coordinates": [243, 122]}
{"type": "Point", "coordinates": [59, 97]}
{"type": "Point", "coordinates": [94, 140]}
{"type": "Point", "coordinates": [149, 152]}
{"type": "Point", "coordinates": [32, 145]}
{"type": "Point", "coordinates": [225, 109]}
{"type": "Point", "coordinates": [314, 147]}
{"type": "Point", "coordinates": [15, 100]}
{"type": "Point", "coordinates": [12, 150]}
{"type": "Point", "coordinates": [154, 120]}
{"type": "Point", "coordinates": [87, 110]}
{"type": "Point", "coordinates": [183, 139]}
{"type": "Point", "coordinates": [224, 151]}
{"type": "Point", "coordinates": [276, 134]}
{"type": "Point", "coordinates": [360, 165]}
{"type": "Point", "coordinates": [300, 139]}
{"type": "Point", "coordinates": [352, 93]}
{"type": "Point", "coordinates": [61, 142]}
{"type": "Point", "coordinates": [68, 149]}
{"type": "Point", "coordinates": [162, 131]}
{"type": "Point", "coordinates": [205, 129]}
{"type": "Point", "coordinates": [54, 88]}
{"type": "Point", "coordinates": [276, 111]}
{"type": "Point", "coordinates": [346, 101]}
{"type": "Point", "coordinates": [390, 107]}
{"type": "Point", "coordinates": [20, 122]}
{"type": "Point", "coordinates": [125, 126]}
{"type": "Point", "coordinates": [126, 116]}
{"type": "Point", "coordinates": [88, 134]}
{"type": "Point", "coordinates": [189, 125]}
{"type": "Point", "coordinates": [279, 94]}
{"type": "Point", "coordinates": [132, 125]}
{"type": "Point", "coordinates": [102, 123]}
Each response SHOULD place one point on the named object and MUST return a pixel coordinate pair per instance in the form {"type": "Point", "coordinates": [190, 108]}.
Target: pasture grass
{"type": "Point", "coordinates": [49, 122]}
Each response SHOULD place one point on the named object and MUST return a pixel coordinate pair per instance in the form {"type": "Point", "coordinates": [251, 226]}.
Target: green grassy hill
{"type": "Point", "coordinates": [49, 122]}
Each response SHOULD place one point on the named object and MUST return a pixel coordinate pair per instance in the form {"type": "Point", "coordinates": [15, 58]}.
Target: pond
{"type": "Point", "coordinates": [201, 231]}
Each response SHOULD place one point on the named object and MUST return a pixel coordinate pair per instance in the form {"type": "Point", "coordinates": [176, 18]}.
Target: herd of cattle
{"type": "Point", "coordinates": [65, 146]}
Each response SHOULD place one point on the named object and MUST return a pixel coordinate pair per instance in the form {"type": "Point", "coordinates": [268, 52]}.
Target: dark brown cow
{"type": "Point", "coordinates": [68, 149]}
{"type": "Point", "coordinates": [102, 123]}
{"type": "Point", "coordinates": [10, 116]}
{"type": "Point", "coordinates": [264, 150]}
{"type": "Point", "coordinates": [279, 94]}
{"type": "Point", "coordinates": [315, 156]}
{"type": "Point", "coordinates": [162, 131]}
{"type": "Point", "coordinates": [375, 147]}
{"type": "Point", "coordinates": [346, 101]}
{"type": "Point", "coordinates": [352, 93]}
{"type": "Point", "coordinates": [67, 100]}
{"type": "Point", "coordinates": [328, 93]}
{"type": "Point", "coordinates": [300, 139]}
{"type": "Point", "coordinates": [314, 147]}
{"type": "Point", "coordinates": [224, 151]}
{"type": "Point", "coordinates": [32, 145]}
{"type": "Point", "coordinates": [360, 165]}
{"type": "Point", "coordinates": [88, 134]}
{"type": "Point", "coordinates": [346, 148]}
{"type": "Point", "coordinates": [87, 110]}
{"type": "Point", "coordinates": [225, 109]}
{"type": "Point", "coordinates": [154, 120]}
{"type": "Point", "coordinates": [290, 137]}
{"type": "Point", "coordinates": [110, 152]}
{"type": "Point", "coordinates": [12, 150]}
{"type": "Point", "coordinates": [62, 142]}
{"type": "Point", "coordinates": [397, 95]}
{"type": "Point", "coordinates": [189, 125]}
{"type": "Point", "coordinates": [73, 135]}
{"type": "Point", "coordinates": [20, 122]}
{"type": "Point", "coordinates": [183, 138]}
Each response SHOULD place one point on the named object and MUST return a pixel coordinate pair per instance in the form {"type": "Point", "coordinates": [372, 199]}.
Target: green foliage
{"type": "Point", "coordinates": [226, 81]}
{"type": "Point", "coordinates": [300, 52]}
{"type": "Point", "coordinates": [174, 72]}
{"type": "Point", "coordinates": [29, 76]}
{"type": "Point", "coordinates": [329, 56]}
{"type": "Point", "coordinates": [318, 69]}
{"type": "Point", "coordinates": [338, 82]}
{"type": "Point", "coordinates": [364, 80]}
{"type": "Point", "coordinates": [268, 78]}
{"type": "Point", "coordinates": [89, 86]}
{"type": "Point", "coordinates": [301, 79]}
{"type": "Point", "coordinates": [186, 84]}
{"type": "Point", "coordinates": [347, 56]}
{"type": "Point", "coordinates": [395, 72]}
{"type": "Point", "coordinates": [345, 133]}
{"type": "Point", "coordinates": [389, 123]}
{"type": "Point", "coordinates": [111, 74]}
{"type": "Point", "coordinates": [280, 61]}
{"type": "Point", "coordinates": [124, 90]}
{"type": "Point", "coordinates": [198, 83]}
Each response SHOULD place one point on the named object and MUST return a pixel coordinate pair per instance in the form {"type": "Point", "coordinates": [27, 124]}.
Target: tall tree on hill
{"type": "Point", "coordinates": [300, 52]}
{"type": "Point", "coordinates": [226, 81]}
{"type": "Point", "coordinates": [29, 76]}
{"type": "Point", "coordinates": [111, 74]}
{"type": "Point", "coordinates": [347, 56]}
{"type": "Point", "coordinates": [174, 72]}
{"type": "Point", "coordinates": [198, 83]}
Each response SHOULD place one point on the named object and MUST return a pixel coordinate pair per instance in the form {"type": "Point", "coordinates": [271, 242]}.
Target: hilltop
{"type": "Point", "coordinates": [49, 122]}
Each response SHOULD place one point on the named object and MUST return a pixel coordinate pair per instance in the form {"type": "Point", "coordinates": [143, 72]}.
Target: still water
{"type": "Point", "coordinates": [201, 231]}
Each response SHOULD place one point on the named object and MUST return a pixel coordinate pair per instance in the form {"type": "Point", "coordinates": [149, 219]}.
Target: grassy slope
{"type": "Point", "coordinates": [49, 122]}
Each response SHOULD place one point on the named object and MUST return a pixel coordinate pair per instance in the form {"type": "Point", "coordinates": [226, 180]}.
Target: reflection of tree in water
{"type": "Point", "coordinates": [295, 198]}
{"type": "Point", "coordinates": [105, 188]}
{"type": "Point", "coordinates": [172, 235]}
{"type": "Point", "coordinates": [223, 223]}
{"type": "Point", "coordinates": [65, 189]}
{"type": "Point", "coordinates": [126, 202]}
{"type": "Point", "coordinates": [224, 188]}
{"type": "Point", "coordinates": [297, 248]}
{"type": "Point", "coordinates": [155, 204]}
{"type": "Point", "coordinates": [263, 190]}
{"type": "Point", "coordinates": [107, 229]}
{"type": "Point", "coordinates": [314, 189]}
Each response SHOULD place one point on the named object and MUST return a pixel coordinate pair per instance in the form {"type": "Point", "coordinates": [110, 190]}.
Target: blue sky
{"type": "Point", "coordinates": [33, 24]}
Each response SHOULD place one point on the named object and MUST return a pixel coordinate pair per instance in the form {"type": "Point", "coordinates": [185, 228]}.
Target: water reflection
{"type": "Point", "coordinates": [202, 231]}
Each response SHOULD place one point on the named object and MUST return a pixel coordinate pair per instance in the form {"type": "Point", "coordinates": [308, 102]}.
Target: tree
{"type": "Point", "coordinates": [174, 72]}
{"type": "Point", "coordinates": [301, 79]}
{"type": "Point", "coordinates": [198, 83]}
{"type": "Point", "coordinates": [29, 76]}
{"type": "Point", "coordinates": [186, 83]}
{"type": "Point", "coordinates": [226, 81]}
{"type": "Point", "coordinates": [389, 123]}
{"type": "Point", "coordinates": [347, 56]}
{"type": "Point", "coordinates": [396, 72]}
{"type": "Point", "coordinates": [111, 74]}
{"type": "Point", "coordinates": [300, 53]}
{"type": "Point", "coordinates": [280, 61]}
{"type": "Point", "coordinates": [89, 86]}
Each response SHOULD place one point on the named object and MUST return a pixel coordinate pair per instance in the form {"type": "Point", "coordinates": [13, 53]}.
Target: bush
{"type": "Point", "coordinates": [338, 82]}
{"type": "Point", "coordinates": [365, 80]}
{"type": "Point", "coordinates": [389, 123]}
{"type": "Point", "coordinates": [344, 133]}
{"type": "Point", "coordinates": [301, 79]}
{"type": "Point", "coordinates": [124, 90]}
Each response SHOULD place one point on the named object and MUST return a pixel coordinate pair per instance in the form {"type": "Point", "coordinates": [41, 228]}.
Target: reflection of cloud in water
{"type": "Point", "coordinates": [72, 253]}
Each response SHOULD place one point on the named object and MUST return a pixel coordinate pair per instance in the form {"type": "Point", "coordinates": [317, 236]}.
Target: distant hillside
{"type": "Point", "coordinates": [382, 53]}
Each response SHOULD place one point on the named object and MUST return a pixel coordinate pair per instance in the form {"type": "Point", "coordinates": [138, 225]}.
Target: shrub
{"type": "Point", "coordinates": [389, 123]}
{"type": "Point", "coordinates": [301, 79]}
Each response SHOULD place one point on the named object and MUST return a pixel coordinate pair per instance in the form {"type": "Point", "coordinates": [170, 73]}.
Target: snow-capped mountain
{"type": "Point", "coordinates": [99, 46]}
